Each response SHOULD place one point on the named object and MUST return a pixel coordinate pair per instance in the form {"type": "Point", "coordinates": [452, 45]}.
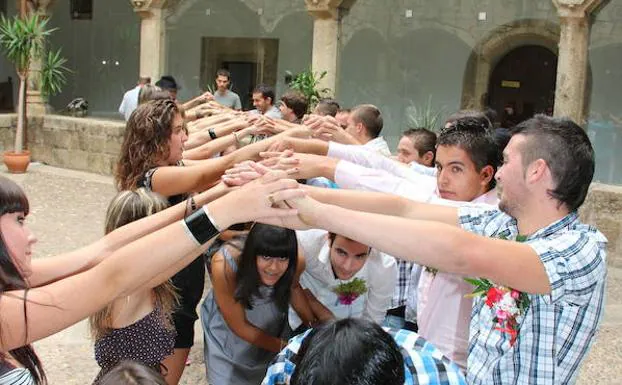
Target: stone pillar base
{"type": "Point", "coordinates": [35, 103]}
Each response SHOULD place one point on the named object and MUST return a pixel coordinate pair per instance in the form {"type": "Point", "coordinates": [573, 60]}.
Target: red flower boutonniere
{"type": "Point", "coordinates": [506, 303]}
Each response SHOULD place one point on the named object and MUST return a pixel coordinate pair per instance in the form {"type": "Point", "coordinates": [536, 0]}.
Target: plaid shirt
{"type": "Point", "coordinates": [400, 294]}
{"type": "Point", "coordinates": [557, 329]}
{"type": "Point", "coordinates": [423, 363]}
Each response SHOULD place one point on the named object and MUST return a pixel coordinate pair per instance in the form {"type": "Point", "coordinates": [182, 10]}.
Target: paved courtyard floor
{"type": "Point", "coordinates": [67, 211]}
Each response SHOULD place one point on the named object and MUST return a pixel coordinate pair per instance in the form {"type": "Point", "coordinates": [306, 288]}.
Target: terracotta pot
{"type": "Point", "coordinates": [17, 163]}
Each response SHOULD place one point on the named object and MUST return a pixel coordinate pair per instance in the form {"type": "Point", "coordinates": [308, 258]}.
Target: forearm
{"type": "Point", "coordinates": [212, 147]}
{"type": "Point", "coordinates": [424, 242]}
{"type": "Point", "coordinates": [320, 311]}
{"type": "Point", "coordinates": [255, 336]}
{"type": "Point", "coordinates": [301, 305]}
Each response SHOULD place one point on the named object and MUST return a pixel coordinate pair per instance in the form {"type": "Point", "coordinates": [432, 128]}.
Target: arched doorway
{"type": "Point", "coordinates": [523, 84]}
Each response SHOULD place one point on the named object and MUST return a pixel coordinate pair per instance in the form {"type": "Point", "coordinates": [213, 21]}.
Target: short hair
{"type": "Point", "coordinates": [566, 149]}
{"type": "Point", "coordinates": [327, 107]}
{"type": "Point", "coordinates": [472, 132]}
{"type": "Point", "coordinates": [132, 373]}
{"type": "Point", "coordinates": [223, 72]}
{"type": "Point", "coordinates": [149, 92]}
{"type": "Point", "coordinates": [144, 80]}
{"type": "Point", "coordinates": [423, 139]}
{"type": "Point", "coordinates": [371, 118]}
{"type": "Point", "coordinates": [350, 351]}
{"type": "Point", "coordinates": [297, 101]}
{"type": "Point", "coordinates": [265, 90]}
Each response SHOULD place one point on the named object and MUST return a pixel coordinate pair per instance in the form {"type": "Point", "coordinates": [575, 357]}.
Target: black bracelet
{"type": "Point", "coordinates": [211, 133]}
{"type": "Point", "coordinates": [200, 226]}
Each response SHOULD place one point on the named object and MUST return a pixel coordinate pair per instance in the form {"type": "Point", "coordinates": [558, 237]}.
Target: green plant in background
{"type": "Point", "coordinates": [23, 40]}
{"type": "Point", "coordinates": [308, 82]}
{"type": "Point", "coordinates": [53, 72]}
{"type": "Point", "coordinates": [424, 117]}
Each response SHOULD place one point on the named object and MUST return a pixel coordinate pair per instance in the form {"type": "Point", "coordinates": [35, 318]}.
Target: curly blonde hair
{"type": "Point", "coordinates": [146, 141]}
{"type": "Point", "coordinates": [126, 207]}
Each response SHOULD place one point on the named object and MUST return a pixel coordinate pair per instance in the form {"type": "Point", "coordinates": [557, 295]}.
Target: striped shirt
{"type": "Point", "coordinates": [557, 329]}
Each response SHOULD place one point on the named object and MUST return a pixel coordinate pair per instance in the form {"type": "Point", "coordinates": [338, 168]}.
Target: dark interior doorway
{"type": "Point", "coordinates": [243, 75]}
{"type": "Point", "coordinates": [523, 84]}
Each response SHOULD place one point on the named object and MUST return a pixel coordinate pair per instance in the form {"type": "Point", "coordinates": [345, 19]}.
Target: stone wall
{"type": "Point", "coordinates": [602, 208]}
{"type": "Point", "coordinates": [77, 143]}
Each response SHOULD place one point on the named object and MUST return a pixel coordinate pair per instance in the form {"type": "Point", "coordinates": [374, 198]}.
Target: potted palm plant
{"type": "Point", "coordinates": [22, 40]}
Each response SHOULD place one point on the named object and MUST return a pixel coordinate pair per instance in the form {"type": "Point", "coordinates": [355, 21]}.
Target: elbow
{"type": "Point", "coordinates": [467, 259]}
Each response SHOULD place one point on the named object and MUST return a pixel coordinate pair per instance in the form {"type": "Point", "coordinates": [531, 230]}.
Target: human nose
{"type": "Point", "coordinates": [32, 239]}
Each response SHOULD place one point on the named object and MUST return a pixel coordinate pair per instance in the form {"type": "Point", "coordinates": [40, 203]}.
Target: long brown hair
{"type": "Point", "coordinates": [146, 141]}
{"type": "Point", "coordinates": [12, 200]}
{"type": "Point", "coordinates": [129, 206]}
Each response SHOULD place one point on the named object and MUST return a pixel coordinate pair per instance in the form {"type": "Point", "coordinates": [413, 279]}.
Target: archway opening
{"type": "Point", "coordinates": [523, 84]}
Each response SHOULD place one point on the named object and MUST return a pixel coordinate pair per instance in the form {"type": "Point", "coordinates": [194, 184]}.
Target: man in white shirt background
{"type": "Point", "coordinates": [130, 98]}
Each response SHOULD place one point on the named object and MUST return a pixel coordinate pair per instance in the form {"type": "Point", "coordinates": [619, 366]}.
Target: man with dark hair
{"type": "Point", "coordinates": [364, 126]}
{"type": "Point", "coordinates": [263, 100]}
{"type": "Point", "coordinates": [418, 146]}
{"type": "Point", "coordinates": [540, 300]}
{"type": "Point", "coordinates": [223, 94]}
{"type": "Point", "coordinates": [327, 107]}
{"type": "Point", "coordinates": [168, 83]}
{"type": "Point", "coordinates": [293, 106]}
{"type": "Point", "coordinates": [358, 352]}
{"type": "Point", "coordinates": [130, 98]}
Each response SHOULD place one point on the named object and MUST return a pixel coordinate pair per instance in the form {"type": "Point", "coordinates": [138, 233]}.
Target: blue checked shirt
{"type": "Point", "coordinates": [557, 329]}
{"type": "Point", "coordinates": [423, 363]}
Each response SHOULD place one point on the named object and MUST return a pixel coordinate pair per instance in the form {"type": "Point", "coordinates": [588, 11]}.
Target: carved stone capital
{"type": "Point", "coordinates": [576, 8]}
{"type": "Point", "coordinates": [144, 8]}
{"type": "Point", "coordinates": [323, 9]}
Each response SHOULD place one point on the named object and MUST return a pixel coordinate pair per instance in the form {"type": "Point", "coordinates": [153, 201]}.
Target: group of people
{"type": "Point", "coordinates": [330, 260]}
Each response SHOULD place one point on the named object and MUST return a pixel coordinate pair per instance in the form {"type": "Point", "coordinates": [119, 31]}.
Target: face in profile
{"type": "Point", "coordinates": [408, 153]}
{"type": "Point", "coordinates": [177, 140]}
{"type": "Point", "coordinates": [18, 240]}
{"type": "Point", "coordinates": [511, 185]}
{"type": "Point", "coordinates": [271, 269]}
{"type": "Point", "coordinates": [347, 257]}
{"type": "Point", "coordinates": [457, 177]}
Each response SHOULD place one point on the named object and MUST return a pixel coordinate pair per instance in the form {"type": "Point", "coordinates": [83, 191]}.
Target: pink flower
{"type": "Point", "coordinates": [347, 299]}
{"type": "Point", "coordinates": [515, 294]}
{"type": "Point", "coordinates": [502, 314]}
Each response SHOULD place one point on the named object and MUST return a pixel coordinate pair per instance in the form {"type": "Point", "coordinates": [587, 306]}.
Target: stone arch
{"type": "Point", "coordinates": [492, 48]}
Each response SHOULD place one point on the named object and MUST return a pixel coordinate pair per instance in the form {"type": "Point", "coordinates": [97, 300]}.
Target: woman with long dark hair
{"type": "Point", "coordinates": [43, 296]}
{"type": "Point", "coordinates": [254, 279]}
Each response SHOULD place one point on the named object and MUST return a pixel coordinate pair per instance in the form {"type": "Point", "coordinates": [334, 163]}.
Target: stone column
{"type": "Point", "coordinates": [570, 92]}
{"type": "Point", "coordinates": [36, 103]}
{"type": "Point", "coordinates": [152, 37]}
{"type": "Point", "coordinates": [326, 32]}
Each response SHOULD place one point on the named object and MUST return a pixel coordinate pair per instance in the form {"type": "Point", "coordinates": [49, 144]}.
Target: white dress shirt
{"type": "Point", "coordinates": [129, 102]}
{"type": "Point", "coordinates": [379, 273]}
{"type": "Point", "coordinates": [378, 145]}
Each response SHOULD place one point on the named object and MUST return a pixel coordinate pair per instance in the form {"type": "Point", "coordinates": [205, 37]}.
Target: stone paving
{"type": "Point", "coordinates": [67, 211]}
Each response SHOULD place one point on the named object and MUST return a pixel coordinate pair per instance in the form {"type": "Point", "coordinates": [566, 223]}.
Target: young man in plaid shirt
{"type": "Point", "coordinates": [534, 244]}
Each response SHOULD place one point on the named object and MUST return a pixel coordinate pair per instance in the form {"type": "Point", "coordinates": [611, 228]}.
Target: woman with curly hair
{"type": "Point", "coordinates": [151, 157]}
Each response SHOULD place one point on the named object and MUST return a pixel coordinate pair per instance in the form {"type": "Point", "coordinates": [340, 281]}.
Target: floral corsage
{"type": "Point", "coordinates": [348, 292]}
{"type": "Point", "coordinates": [506, 303]}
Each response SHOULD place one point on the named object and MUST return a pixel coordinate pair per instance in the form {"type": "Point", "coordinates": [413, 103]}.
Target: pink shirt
{"type": "Point", "coordinates": [443, 311]}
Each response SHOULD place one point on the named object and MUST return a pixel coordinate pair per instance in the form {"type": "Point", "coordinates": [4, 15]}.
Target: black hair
{"type": "Point", "coordinates": [132, 373]}
{"type": "Point", "coordinates": [266, 92]}
{"type": "Point", "coordinates": [350, 351]}
{"type": "Point", "coordinates": [566, 149]}
{"type": "Point", "coordinates": [371, 118]}
{"type": "Point", "coordinates": [424, 140]}
{"type": "Point", "coordinates": [272, 241]}
{"type": "Point", "coordinates": [327, 107]}
{"type": "Point", "coordinates": [12, 200]}
{"type": "Point", "coordinates": [472, 132]}
{"type": "Point", "coordinates": [223, 72]}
